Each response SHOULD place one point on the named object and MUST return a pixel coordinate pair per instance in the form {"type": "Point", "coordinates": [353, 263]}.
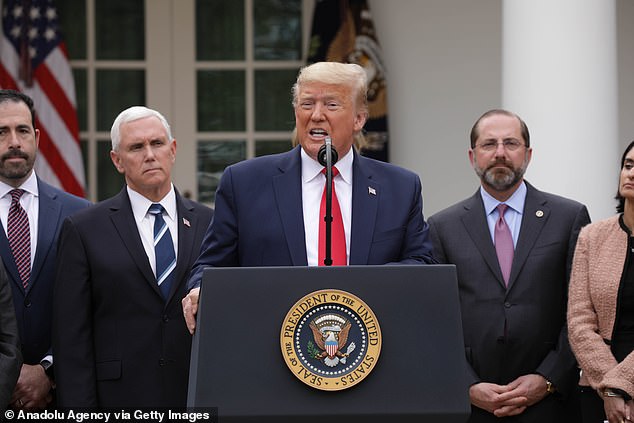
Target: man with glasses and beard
{"type": "Point", "coordinates": [512, 246]}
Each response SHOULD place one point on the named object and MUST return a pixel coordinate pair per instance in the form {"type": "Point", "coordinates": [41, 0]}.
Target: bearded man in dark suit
{"type": "Point", "coordinates": [31, 271]}
{"type": "Point", "coordinates": [513, 299]}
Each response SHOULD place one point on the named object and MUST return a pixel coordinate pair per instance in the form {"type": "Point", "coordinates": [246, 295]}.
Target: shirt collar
{"type": "Point", "coordinates": [311, 168]}
{"type": "Point", "coordinates": [516, 200]}
{"type": "Point", "coordinates": [30, 186]}
{"type": "Point", "coordinates": [141, 204]}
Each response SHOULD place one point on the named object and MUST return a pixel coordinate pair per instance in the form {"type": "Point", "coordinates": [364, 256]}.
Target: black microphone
{"type": "Point", "coordinates": [322, 155]}
{"type": "Point", "coordinates": [327, 157]}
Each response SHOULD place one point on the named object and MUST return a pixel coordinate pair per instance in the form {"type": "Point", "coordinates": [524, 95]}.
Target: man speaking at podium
{"type": "Point", "coordinates": [269, 209]}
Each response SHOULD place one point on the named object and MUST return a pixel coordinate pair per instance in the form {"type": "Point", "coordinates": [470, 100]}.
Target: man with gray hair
{"type": "Point", "coordinates": [118, 333]}
{"type": "Point", "coordinates": [269, 209]}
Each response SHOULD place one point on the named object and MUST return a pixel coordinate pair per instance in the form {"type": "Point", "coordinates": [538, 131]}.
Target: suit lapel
{"type": "Point", "coordinates": [475, 223]}
{"type": "Point", "coordinates": [187, 230]}
{"type": "Point", "coordinates": [366, 193]}
{"type": "Point", "coordinates": [535, 216]}
{"type": "Point", "coordinates": [288, 195]}
{"type": "Point", "coordinates": [9, 262]}
{"type": "Point", "coordinates": [50, 211]}
{"type": "Point", "coordinates": [123, 220]}
{"type": "Point", "coordinates": [49, 215]}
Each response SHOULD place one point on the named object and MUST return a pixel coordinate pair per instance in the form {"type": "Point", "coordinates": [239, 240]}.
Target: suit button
{"type": "Point", "coordinates": [27, 303]}
{"type": "Point", "coordinates": [166, 318]}
{"type": "Point", "coordinates": [507, 305]}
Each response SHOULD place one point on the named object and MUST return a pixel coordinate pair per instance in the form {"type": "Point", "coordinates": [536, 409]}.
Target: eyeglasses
{"type": "Point", "coordinates": [509, 145]}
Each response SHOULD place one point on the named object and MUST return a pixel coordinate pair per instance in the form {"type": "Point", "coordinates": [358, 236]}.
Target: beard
{"type": "Point", "coordinates": [16, 171]}
{"type": "Point", "coordinates": [501, 175]}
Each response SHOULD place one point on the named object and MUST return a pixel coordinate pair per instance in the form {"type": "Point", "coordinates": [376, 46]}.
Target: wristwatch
{"type": "Point", "coordinates": [48, 368]}
{"type": "Point", "coordinates": [615, 392]}
{"type": "Point", "coordinates": [550, 388]}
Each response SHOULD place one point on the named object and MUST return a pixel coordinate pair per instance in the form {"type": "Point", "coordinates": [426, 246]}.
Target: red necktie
{"type": "Point", "coordinates": [504, 244]}
{"type": "Point", "coordinates": [338, 237]}
{"type": "Point", "coordinates": [19, 236]}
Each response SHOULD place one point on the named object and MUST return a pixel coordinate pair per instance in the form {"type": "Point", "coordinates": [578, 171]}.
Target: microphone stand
{"type": "Point", "coordinates": [327, 157]}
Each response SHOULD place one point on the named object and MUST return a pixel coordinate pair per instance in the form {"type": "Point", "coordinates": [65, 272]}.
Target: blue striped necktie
{"type": "Point", "coordinates": [163, 250]}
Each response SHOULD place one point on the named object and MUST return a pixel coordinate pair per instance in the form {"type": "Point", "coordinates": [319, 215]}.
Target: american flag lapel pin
{"type": "Point", "coordinates": [371, 191]}
{"type": "Point", "coordinates": [186, 222]}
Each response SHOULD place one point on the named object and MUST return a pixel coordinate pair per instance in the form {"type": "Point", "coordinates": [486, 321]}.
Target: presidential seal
{"type": "Point", "coordinates": [330, 340]}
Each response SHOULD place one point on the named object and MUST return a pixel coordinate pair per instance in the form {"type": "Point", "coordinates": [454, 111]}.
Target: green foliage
{"type": "Point", "coordinates": [312, 350]}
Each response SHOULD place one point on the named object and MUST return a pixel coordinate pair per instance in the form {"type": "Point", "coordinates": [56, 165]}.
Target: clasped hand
{"type": "Point", "coordinates": [511, 399]}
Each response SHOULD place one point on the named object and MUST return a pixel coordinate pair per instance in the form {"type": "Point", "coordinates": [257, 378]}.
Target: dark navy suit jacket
{"type": "Point", "coordinates": [259, 221]}
{"type": "Point", "coordinates": [10, 357]}
{"type": "Point", "coordinates": [34, 307]}
{"type": "Point", "coordinates": [117, 341]}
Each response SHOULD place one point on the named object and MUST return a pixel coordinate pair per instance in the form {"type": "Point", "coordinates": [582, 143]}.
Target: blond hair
{"type": "Point", "coordinates": [348, 74]}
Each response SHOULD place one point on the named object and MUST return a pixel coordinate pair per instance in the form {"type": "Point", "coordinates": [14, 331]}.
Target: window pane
{"type": "Point", "coordinates": [277, 29]}
{"type": "Point", "coordinates": [219, 29]}
{"type": "Point", "coordinates": [72, 20]}
{"type": "Point", "coordinates": [117, 90]}
{"type": "Point", "coordinates": [120, 29]}
{"type": "Point", "coordinates": [273, 109]}
{"type": "Point", "coordinates": [213, 157]}
{"type": "Point", "coordinates": [81, 94]}
{"type": "Point", "coordinates": [221, 101]}
{"type": "Point", "coordinates": [262, 148]}
{"type": "Point", "coordinates": [109, 182]}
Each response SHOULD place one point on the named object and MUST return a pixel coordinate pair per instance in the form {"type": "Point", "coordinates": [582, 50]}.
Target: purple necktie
{"type": "Point", "coordinates": [503, 244]}
{"type": "Point", "coordinates": [19, 236]}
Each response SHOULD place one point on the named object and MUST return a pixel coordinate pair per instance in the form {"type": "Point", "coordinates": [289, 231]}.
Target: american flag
{"type": "Point", "coordinates": [33, 59]}
{"type": "Point", "coordinates": [343, 31]}
{"type": "Point", "coordinates": [332, 346]}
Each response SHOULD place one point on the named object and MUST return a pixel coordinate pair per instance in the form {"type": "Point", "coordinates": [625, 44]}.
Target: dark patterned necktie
{"type": "Point", "coordinates": [19, 236]}
{"type": "Point", "coordinates": [163, 250]}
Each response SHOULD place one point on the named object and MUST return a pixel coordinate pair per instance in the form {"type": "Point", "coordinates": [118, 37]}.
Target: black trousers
{"type": "Point", "coordinates": [592, 410]}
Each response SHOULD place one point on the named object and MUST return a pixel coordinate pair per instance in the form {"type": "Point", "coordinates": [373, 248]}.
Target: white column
{"type": "Point", "coordinates": [559, 72]}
